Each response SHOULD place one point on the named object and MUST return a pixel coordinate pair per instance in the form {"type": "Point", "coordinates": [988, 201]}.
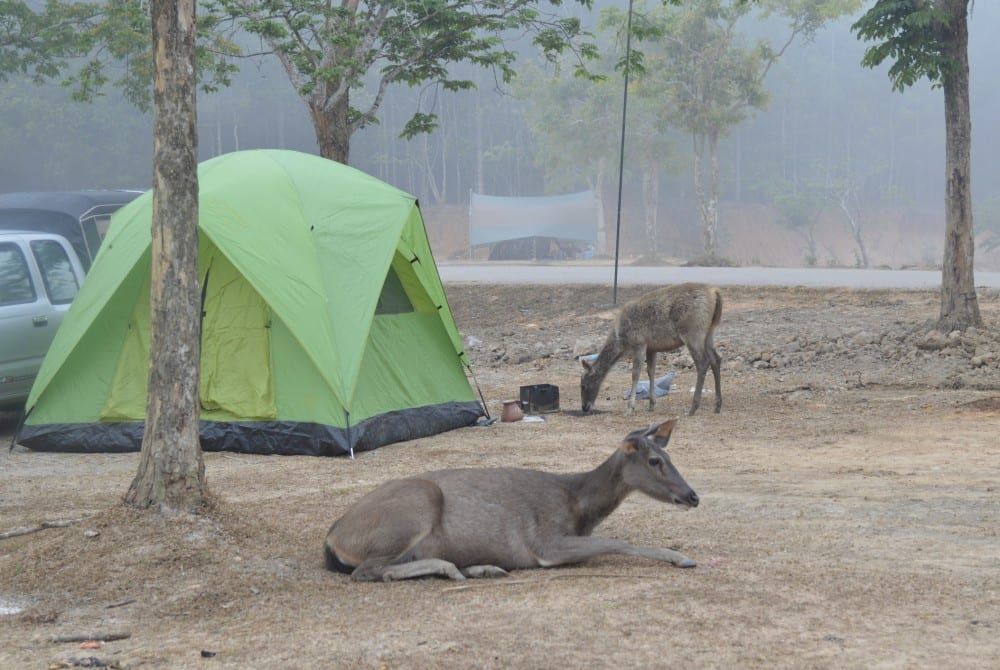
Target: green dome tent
{"type": "Point", "coordinates": [325, 327]}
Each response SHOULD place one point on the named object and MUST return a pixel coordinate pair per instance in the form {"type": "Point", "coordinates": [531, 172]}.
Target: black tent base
{"type": "Point", "coordinates": [289, 438]}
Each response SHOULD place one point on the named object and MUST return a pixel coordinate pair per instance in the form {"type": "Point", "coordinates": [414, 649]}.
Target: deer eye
{"type": "Point", "coordinates": [655, 462]}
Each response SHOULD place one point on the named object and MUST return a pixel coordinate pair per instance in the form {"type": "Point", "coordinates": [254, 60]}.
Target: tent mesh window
{"type": "Point", "coordinates": [393, 299]}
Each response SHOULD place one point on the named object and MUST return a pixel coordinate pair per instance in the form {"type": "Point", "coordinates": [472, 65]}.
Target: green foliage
{"type": "Point", "coordinates": [330, 49]}
{"type": "Point", "coordinates": [91, 44]}
{"type": "Point", "coordinates": [569, 119]}
{"type": "Point", "coordinates": [713, 78]}
{"type": "Point", "coordinates": [800, 209]}
{"type": "Point", "coordinates": [59, 145]}
{"type": "Point", "coordinates": [913, 33]}
{"type": "Point", "coordinates": [38, 42]}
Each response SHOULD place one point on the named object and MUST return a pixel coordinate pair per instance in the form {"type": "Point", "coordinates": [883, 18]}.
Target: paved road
{"type": "Point", "coordinates": [503, 273]}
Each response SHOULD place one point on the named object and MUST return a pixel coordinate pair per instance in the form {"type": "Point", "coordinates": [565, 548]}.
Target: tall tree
{"type": "Point", "coordinates": [171, 471]}
{"type": "Point", "coordinates": [930, 38]}
{"type": "Point", "coordinates": [714, 80]}
{"type": "Point", "coordinates": [569, 119]}
{"type": "Point", "coordinates": [328, 49]}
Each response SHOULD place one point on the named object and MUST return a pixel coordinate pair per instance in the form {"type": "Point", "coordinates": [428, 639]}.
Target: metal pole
{"type": "Point", "coordinates": [621, 150]}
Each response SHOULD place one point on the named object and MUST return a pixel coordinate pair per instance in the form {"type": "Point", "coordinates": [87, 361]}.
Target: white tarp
{"type": "Point", "coordinates": [567, 217]}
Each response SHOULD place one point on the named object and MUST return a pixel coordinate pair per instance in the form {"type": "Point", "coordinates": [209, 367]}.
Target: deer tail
{"type": "Point", "coordinates": [717, 314]}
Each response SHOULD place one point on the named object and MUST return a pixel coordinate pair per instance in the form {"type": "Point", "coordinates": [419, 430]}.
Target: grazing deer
{"type": "Point", "coordinates": [481, 522]}
{"type": "Point", "coordinates": [661, 320]}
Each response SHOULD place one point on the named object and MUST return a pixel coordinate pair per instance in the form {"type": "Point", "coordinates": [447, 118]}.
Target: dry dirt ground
{"type": "Point", "coordinates": [850, 513]}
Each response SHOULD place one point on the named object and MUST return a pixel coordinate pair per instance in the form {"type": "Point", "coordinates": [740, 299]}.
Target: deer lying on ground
{"type": "Point", "coordinates": [481, 522]}
{"type": "Point", "coordinates": [661, 320]}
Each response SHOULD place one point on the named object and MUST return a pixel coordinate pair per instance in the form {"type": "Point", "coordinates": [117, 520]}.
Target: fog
{"type": "Point", "coordinates": [827, 121]}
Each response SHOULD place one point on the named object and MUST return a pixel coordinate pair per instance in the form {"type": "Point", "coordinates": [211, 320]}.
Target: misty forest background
{"type": "Point", "coordinates": [832, 146]}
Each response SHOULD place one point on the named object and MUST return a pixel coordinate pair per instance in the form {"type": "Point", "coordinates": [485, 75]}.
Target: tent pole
{"type": "Point", "coordinates": [621, 149]}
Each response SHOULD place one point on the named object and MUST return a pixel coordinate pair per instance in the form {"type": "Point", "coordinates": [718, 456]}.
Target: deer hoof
{"type": "Point", "coordinates": [484, 571]}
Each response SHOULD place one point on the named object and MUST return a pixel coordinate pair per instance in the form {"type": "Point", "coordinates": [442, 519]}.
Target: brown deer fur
{"type": "Point", "coordinates": [481, 522]}
{"type": "Point", "coordinates": [661, 320]}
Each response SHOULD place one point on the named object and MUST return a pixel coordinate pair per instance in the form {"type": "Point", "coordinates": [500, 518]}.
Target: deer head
{"type": "Point", "coordinates": [648, 467]}
{"type": "Point", "coordinates": [590, 385]}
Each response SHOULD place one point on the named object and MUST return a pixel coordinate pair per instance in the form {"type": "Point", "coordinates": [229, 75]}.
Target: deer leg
{"type": "Point", "coordinates": [651, 373]}
{"type": "Point", "coordinates": [484, 571]}
{"type": "Point", "coordinates": [567, 550]}
{"type": "Point", "coordinates": [716, 361]}
{"type": "Point", "coordinates": [701, 364]}
{"type": "Point", "coordinates": [637, 355]}
{"type": "Point", "coordinates": [381, 570]}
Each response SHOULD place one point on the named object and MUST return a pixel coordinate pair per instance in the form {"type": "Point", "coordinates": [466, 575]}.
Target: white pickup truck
{"type": "Point", "coordinates": [40, 275]}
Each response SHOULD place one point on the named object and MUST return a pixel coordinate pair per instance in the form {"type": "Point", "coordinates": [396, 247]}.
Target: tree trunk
{"type": "Point", "coordinates": [480, 187]}
{"type": "Point", "coordinates": [171, 473]}
{"type": "Point", "coordinates": [855, 224]}
{"type": "Point", "coordinates": [333, 130]}
{"type": "Point", "coordinates": [708, 233]}
{"type": "Point", "coordinates": [428, 168]}
{"type": "Point", "coordinates": [602, 229]}
{"type": "Point", "coordinates": [959, 306]}
{"type": "Point", "coordinates": [713, 191]}
{"type": "Point", "coordinates": [650, 203]}
{"type": "Point", "coordinates": [739, 168]}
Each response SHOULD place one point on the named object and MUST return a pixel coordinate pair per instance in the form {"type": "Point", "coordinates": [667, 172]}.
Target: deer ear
{"type": "Point", "coordinates": [660, 433]}
{"type": "Point", "coordinates": [627, 447]}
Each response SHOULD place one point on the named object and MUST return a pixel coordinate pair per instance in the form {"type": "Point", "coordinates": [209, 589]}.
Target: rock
{"type": "Point", "coordinates": [865, 338]}
{"type": "Point", "coordinates": [760, 364]}
{"type": "Point", "coordinates": [793, 346]}
{"type": "Point", "coordinates": [543, 350]}
{"type": "Point", "coordinates": [984, 360]}
{"type": "Point", "coordinates": [766, 356]}
{"type": "Point", "coordinates": [796, 396]}
{"type": "Point", "coordinates": [471, 342]}
{"type": "Point", "coordinates": [932, 341]}
{"type": "Point", "coordinates": [825, 348]}
{"type": "Point", "coordinates": [833, 333]}
{"type": "Point", "coordinates": [522, 356]}
{"type": "Point", "coordinates": [91, 534]}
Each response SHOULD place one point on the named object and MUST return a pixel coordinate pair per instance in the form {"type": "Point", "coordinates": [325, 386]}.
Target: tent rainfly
{"type": "Point", "coordinates": [325, 327]}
